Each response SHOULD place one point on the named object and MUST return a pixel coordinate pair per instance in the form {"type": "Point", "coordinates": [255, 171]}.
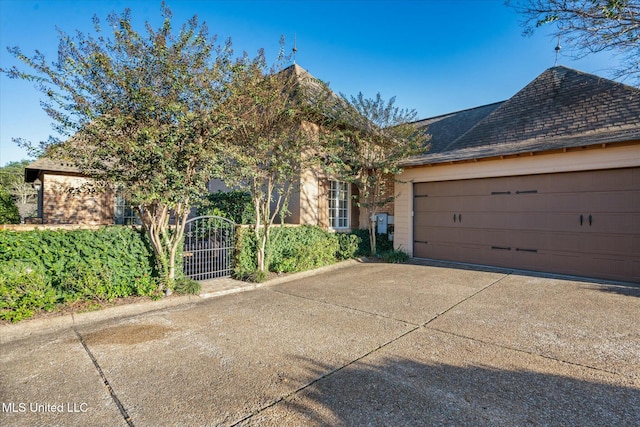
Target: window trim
{"type": "Point", "coordinates": [334, 213]}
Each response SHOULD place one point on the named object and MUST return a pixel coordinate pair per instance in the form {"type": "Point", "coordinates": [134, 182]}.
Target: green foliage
{"type": "Point", "coordinates": [245, 260]}
{"type": "Point", "coordinates": [364, 246]}
{"type": "Point", "coordinates": [348, 245]}
{"type": "Point", "coordinates": [235, 205]}
{"type": "Point", "coordinates": [23, 290]}
{"type": "Point", "coordinates": [9, 213]}
{"type": "Point", "coordinates": [75, 265]}
{"type": "Point", "coordinates": [11, 173]}
{"type": "Point", "coordinates": [292, 249]}
{"type": "Point", "coordinates": [186, 286]}
{"type": "Point", "coordinates": [12, 180]}
{"type": "Point", "coordinates": [394, 256]}
{"type": "Point", "coordinates": [268, 145]}
{"type": "Point", "coordinates": [366, 145]}
{"type": "Point", "coordinates": [144, 110]}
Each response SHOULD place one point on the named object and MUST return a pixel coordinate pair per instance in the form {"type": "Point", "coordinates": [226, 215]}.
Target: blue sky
{"type": "Point", "coordinates": [433, 56]}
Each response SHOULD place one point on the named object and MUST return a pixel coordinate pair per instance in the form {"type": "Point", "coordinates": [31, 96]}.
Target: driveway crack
{"type": "Point", "coordinates": [327, 375]}
{"type": "Point", "coordinates": [462, 301]}
{"type": "Point", "coordinates": [357, 310]}
{"type": "Point", "coordinates": [414, 328]}
{"type": "Point", "coordinates": [115, 398]}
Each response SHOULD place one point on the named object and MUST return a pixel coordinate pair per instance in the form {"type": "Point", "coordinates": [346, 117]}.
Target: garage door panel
{"type": "Point", "coordinates": [423, 204]}
{"type": "Point", "coordinates": [528, 260]}
{"type": "Point", "coordinates": [606, 180]}
{"type": "Point", "coordinates": [420, 250]}
{"type": "Point", "coordinates": [474, 236]}
{"type": "Point", "coordinates": [619, 201]}
{"type": "Point", "coordinates": [618, 244]}
{"type": "Point", "coordinates": [497, 237]}
{"type": "Point", "coordinates": [423, 234]}
{"type": "Point", "coordinates": [611, 223]}
{"type": "Point", "coordinates": [562, 202]}
{"type": "Point", "coordinates": [425, 219]}
{"type": "Point", "coordinates": [500, 256]}
{"type": "Point", "coordinates": [501, 221]}
{"type": "Point", "coordinates": [472, 253]}
{"type": "Point", "coordinates": [566, 262]}
{"type": "Point", "coordinates": [529, 240]}
{"type": "Point", "coordinates": [618, 268]}
{"type": "Point", "coordinates": [566, 242]}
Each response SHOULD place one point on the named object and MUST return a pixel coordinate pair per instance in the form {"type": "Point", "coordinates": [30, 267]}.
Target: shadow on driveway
{"type": "Point", "coordinates": [403, 392]}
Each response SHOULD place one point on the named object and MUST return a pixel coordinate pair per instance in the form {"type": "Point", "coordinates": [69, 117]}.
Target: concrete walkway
{"type": "Point", "coordinates": [364, 344]}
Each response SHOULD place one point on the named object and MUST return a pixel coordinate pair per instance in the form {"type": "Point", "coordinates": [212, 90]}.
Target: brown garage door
{"type": "Point", "coordinates": [579, 223]}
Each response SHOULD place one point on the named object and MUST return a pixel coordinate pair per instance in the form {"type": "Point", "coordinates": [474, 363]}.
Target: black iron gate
{"type": "Point", "coordinates": [208, 247]}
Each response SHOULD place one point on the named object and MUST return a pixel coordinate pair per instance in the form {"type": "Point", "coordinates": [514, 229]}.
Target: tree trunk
{"type": "Point", "coordinates": [372, 234]}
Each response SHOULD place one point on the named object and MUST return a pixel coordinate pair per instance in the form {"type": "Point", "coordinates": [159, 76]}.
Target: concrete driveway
{"type": "Point", "coordinates": [365, 344]}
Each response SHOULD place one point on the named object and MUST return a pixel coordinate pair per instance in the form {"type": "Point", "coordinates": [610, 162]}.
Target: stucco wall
{"type": "Point", "coordinates": [609, 157]}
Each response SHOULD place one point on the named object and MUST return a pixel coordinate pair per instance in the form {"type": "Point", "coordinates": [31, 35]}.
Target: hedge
{"type": "Point", "coordinates": [42, 268]}
{"type": "Point", "coordinates": [293, 249]}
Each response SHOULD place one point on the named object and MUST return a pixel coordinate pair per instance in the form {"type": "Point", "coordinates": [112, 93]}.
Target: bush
{"type": "Point", "coordinates": [349, 244]}
{"type": "Point", "coordinates": [292, 249]}
{"type": "Point", "coordinates": [77, 265]}
{"type": "Point", "coordinates": [383, 244]}
{"type": "Point", "coordinates": [23, 290]}
{"type": "Point", "coordinates": [9, 213]}
{"type": "Point", "coordinates": [235, 205]}
{"type": "Point", "coordinates": [186, 286]}
{"type": "Point", "coordinates": [394, 256]}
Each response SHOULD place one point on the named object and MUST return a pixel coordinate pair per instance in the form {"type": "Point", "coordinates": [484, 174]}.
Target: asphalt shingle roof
{"type": "Point", "coordinates": [32, 170]}
{"type": "Point", "coordinates": [561, 108]}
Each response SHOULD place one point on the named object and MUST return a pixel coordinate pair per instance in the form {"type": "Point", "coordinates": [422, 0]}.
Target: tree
{"type": "Point", "coordinates": [23, 194]}
{"type": "Point", "coordinates": [8, 210]}
{"type": "Point", "coordinates": [271, 141]}
{"type": "Point", "coordinates": [12, 180]}
{"type": "Point", "coordinates": [369, 139]}
{"type": "Point", "coordinates": [141, 113]}
{"type": "Point", "coordinates": [590, 26]}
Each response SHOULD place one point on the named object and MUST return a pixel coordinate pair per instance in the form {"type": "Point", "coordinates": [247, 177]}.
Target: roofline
{"type": "Point", "coordinates": [457, 112]}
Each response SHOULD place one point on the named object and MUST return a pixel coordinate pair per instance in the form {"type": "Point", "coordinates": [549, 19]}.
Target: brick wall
{"type": "Point", "coordinates": [69, 199]}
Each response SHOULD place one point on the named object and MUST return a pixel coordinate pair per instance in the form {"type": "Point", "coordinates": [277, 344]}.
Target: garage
{"type": "Point", "coordinates": [579, 223]}
{"type": "Point", "coordinates": [547, 180]}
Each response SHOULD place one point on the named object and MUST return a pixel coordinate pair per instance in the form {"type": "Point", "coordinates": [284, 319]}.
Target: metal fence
{"type": "Point", "coordinates": [208, 247]}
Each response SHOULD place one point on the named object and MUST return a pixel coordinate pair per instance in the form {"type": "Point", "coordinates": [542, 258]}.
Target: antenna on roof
{"type": "Point", "coordinates": [295, 49]}
{"type": "Point", "coordinates": [558, 47]}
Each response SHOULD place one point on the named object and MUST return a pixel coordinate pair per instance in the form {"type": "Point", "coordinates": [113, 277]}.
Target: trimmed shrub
{"type": "Point", "coordinates": [245, 254]}
{"type": "Point", "coordinates": [383, 244]}
{"type": "Point", "coordinates": [76, 265]}
{"type": "Point", "coordinates": [23, 290]}
{"type": "Point", "coordinates": [349, 245]}
{"type": "Point", "coordinates": [301, 248]}
{"type": "Point", "coordinates": [292, 249]}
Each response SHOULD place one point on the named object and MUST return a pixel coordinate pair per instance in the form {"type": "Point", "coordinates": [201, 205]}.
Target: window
{"type": "Point", "coordinates": [125, 214]}
{"type": "Point", "coordinates": [338, 204]}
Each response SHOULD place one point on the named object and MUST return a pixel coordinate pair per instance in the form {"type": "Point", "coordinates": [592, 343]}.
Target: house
{"type": "Point", "coordinates": [548, 180]}
{"type": "Point", "coordinates": [315, 200]}
{"type": "Point", "coordinates": [65, 196]}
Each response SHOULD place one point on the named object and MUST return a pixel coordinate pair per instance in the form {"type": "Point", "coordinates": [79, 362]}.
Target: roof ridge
{"type": "Point", "coordinates": [456, 112]}
{"type": "Point", "coordinates": [477, 123]}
